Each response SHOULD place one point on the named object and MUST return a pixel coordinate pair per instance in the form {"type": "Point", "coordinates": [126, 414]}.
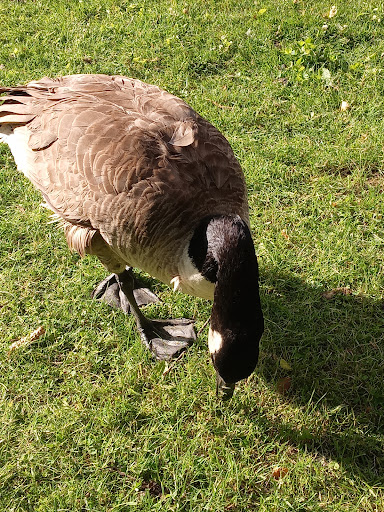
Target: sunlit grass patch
{"type": "Point", "coordinates": [88, 420]}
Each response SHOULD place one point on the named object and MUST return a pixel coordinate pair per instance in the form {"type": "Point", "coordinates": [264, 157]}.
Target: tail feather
{"type": "Point", "coordinates": [16, 109]}
{"type": "Point", "coordinates": [16, 118]}
{"type": "Point", "coordinates": [79, 238]}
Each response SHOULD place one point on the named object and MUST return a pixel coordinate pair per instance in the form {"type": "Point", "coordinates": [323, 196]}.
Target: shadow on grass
{"type": "Point", "coordinates": [334, 343]}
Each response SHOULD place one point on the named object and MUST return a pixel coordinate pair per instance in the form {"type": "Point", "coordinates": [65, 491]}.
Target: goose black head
{"type": "Point", "coordinates": [228, 259]}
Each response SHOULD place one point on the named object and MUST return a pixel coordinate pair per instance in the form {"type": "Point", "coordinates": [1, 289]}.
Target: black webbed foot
{"type": "Point", "coordinates": [110, 292]}
{"type": "Point", "coordinates": [166, 339]}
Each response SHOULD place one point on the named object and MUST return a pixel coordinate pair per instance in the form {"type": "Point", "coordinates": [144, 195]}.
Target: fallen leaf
{"type": "Point", "coordinates": [283, 385]}
{"type": "Point", "coordinates": [326, 77]}
{"type": "Point", "coordinates": [27, 340]}
{"type": "Point", "coordinates": [278, 473]}
{"type": "Point", "coordinates": [284, 234]}
{"type": "Point", "coordinates": [344, 106]}
{"type": "Point", "coordinates": [153, 487]}
{"type": "Point", "coordinates": [332, 11]}
{"type": "Point", "coordinates": [225, 107]}
{"type": "Point", "coordinates": [342, 290]}
{"type": "Point", "coordinates": [284, 365]}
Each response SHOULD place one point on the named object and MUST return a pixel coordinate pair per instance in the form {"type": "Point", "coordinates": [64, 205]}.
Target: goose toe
{"type": "Point", "coordinates": [166, 339]}
{"type": "Point", "coordinates": [224, 390]}
{"type": "Point", "coordinates": [110, 292]}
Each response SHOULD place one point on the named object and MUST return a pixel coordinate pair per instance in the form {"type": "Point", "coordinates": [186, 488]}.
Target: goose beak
{"type": "Point", "coordinates": [224, 390]}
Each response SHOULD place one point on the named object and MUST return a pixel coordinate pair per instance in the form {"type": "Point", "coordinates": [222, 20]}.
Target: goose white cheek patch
{"type": "Point", "coordinates": [215, 341]}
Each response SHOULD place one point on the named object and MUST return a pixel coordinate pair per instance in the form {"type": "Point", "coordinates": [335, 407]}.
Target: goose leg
{"type": "Point", "coordinates": [166, 339]}
{"type": "Point", "coordinates": [109, 291]}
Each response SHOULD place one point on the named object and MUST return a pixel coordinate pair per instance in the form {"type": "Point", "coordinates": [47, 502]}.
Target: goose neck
{"type": "Point", "coordinates": [236, 296]}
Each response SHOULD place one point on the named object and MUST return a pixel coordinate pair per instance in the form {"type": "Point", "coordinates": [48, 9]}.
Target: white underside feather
{"type": "Point", "coordinates": [189, 280]}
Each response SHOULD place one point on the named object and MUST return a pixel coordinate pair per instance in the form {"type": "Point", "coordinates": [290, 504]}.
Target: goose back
{"type": "Point", "coordinates": [124, 163]}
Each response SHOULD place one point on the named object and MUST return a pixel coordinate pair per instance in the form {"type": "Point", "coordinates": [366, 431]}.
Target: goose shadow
{"type": "Point", "coordinates": [334, 342]}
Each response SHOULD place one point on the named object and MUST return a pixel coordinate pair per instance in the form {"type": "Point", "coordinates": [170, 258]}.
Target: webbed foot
{"type": "Point", "coordinates": [110, 291]}
{"type": "Point", "coordinates": [166, 339]}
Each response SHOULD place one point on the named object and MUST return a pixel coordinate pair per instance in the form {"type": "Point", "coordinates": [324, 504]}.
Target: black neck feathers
{"type": "Point", "coordinates": [222, 246]}
{"type": "Point", "coordinates": [237, 287]}
{"type": "Point", "coordinates": [222, 250]}
{"type": "Point", "coordinates": [199, 252]}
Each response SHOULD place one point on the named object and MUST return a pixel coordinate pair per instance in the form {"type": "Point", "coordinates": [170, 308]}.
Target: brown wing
{"type": "Point", "coordinates": [122, 157]}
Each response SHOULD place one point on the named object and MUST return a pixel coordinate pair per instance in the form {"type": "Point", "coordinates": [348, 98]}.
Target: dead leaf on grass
{"type": "Point", "coordinates": [225, 107]}
{"type": "Point", "coordinates": [284, 365]}
{"type": "Point", "coordinates": [332, 11]}
{"type": "Point", "coordinates": [345, 106]}
{"type": "Point", "coordinates": [283, 385]}
{"type": "Point", "coordinates": [153, 487]}
{"type": "Point", "coordinates": [278, 473]}
{"type": "Point", "coordinates": [27, 340]}
{"type": "Point", "coordinates": [342, 290]}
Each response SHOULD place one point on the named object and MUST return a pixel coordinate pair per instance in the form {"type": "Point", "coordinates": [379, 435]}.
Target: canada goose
{"type": "Point", "coordinates": [136, 177]}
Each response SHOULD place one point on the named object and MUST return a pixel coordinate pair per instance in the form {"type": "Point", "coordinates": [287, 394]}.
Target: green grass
{"type": "Point", "coordinates": [88, 421]}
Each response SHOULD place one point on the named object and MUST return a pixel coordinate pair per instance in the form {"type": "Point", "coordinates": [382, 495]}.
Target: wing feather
{"type": "Point", "coordinates": [108, 152]}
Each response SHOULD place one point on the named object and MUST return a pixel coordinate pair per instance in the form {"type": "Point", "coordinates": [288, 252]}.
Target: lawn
{"type": "Point", "coordinates": [88, 422]}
